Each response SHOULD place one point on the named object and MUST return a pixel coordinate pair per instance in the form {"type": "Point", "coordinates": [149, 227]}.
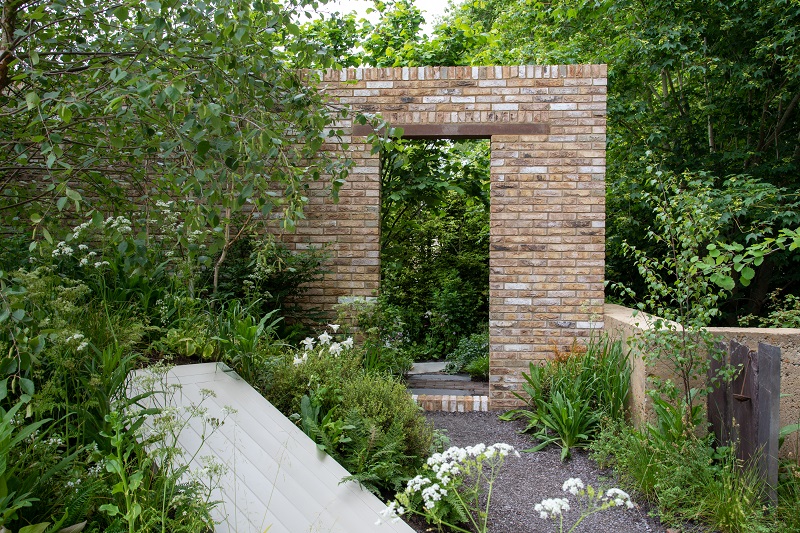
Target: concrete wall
{"type": "Point", "coordinates": [547, 126]}
{"type": "Point", "coordinates": [620, 322]}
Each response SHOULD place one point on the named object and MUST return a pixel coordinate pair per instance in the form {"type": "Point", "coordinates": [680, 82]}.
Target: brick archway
{"type": "Point", "coordinates": [547, 126]}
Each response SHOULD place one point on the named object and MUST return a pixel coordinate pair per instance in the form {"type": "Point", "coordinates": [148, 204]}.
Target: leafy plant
{"type": "Point", "coordinates": [568, 396]}
{"type": "Point", "coordinates": [469, 350]}
{"type": "Point", "coordinates": [460, 492]}
{"type": "Point", "coordinates": [571, 425]}
{"type": "Point", "coordinates": [239, 333]}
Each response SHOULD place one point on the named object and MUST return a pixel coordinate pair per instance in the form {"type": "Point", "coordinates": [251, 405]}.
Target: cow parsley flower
{"type": "Point", "coordinates": [573, 485]}
{"type": "Point", "coordinates": [619, 497]}
{"type": "Point", "coordinates": [551, 507]}
{"type": "Point", "coordinates": [392, 512]}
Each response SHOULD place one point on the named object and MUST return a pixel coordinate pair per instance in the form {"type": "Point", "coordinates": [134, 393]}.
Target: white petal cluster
{"type": "Point", "coordinates": [62, 248]}
{"type": "Point", "coordinates": [619, 497]}
{"type": "Point", "coordinates": [417, 483]}
{"type": "Point", "coordinates": [324, 338]}
{"type": "Point", "coordinates": [551, 507]}
{"type": "Point", "coordinates": [573, 485]}
{"type": "Point", "coordinates": [432, 494]}
{"type": "Point", "coordinates": [392, 512]}
{"type": "Point", "coordinates": [308, 343]}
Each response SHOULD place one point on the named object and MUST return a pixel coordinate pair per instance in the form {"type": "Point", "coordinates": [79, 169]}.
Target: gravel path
{"type": "Point", "coordinates": [523, 482]}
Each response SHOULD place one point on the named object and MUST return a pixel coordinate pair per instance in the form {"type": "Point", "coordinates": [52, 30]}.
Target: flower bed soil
{"type": "Point", "coordinates": [525, 481]}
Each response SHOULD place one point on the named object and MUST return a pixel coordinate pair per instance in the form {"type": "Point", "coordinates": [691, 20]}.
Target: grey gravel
{"type": "Point", "coordinates": [525, 481]}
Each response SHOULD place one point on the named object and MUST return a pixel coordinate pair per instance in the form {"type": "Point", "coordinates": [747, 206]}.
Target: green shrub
{"type": "Point", "coordinates": [470, 349]}
{"type": "Point", "coordinates": [386, 402]}
{"type": "Point", "coordinates": [365, 420]}
{"type": "Point", "coordinates": [478, 369]}
{"type": "Point", "coordinates": [568, 396]}
{"type": "Point", "coordinates": [687, 478]}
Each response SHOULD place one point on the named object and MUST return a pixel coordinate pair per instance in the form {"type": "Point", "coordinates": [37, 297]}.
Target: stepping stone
{"type": "Point", "coordinates": [430, 367]}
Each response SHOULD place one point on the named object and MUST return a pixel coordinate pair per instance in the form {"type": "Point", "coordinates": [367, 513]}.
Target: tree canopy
{"type": "Point", "coordinates": [193, 101]}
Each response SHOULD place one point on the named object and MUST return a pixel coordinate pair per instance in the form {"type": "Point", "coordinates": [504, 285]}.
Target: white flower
{"type": "Point", "coordinates": [62, 248]}
{"type": "Point", "coordinates": [573, 485]}
{"type": "Point", "coordinates": [335, 349]}
{"type": "Point", "coordinates": [348, 342]}
{"type": "Point", "coordinates": [551, 507]}
{"type": "Point", "coordinates": [619, 497]}
{"type": "Point", "coordinates": [324, 338]}
{"type": "Point", "coordinates": [334, 327]}
{"type": "Point", "coordinates": [416, 483]}
{"type": "Point", "coordinates": [82, 247]}
{"type": "Point", "coordinates": [308, 342]}
{"type": "Point", "coordinates": [75, 337]}
{"type": "Point", "coordinates": [392, 512]}
{"type": "Point", "coordinates": [82, 346]}
{"type": "Point", "coordinates": [433, 494]}
{"type": "Point", "coordinates": [300, 360]}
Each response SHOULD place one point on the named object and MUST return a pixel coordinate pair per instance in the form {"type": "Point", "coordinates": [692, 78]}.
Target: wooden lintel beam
{"type": "Point", "coordinates": [460, 131]}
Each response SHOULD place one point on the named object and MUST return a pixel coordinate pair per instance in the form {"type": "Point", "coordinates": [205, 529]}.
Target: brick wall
{"type": "Point", "coordinates": [547, 126]}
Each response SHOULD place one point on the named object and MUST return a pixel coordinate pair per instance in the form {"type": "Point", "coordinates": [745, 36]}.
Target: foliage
{"type": "Point", "coordinates": [382, 336]}
{"type": "Point", "coordinates": [706, 87]}
{"type": "Point", "coordinates": [435, 242]}
{"type": "Point", "coordinates": [460, 492]}
{"type": "Point", "coordinates": [469, 350]}
{"type": "Point", "coordinates": [364, 419]}
{"type": "Point", "coordinates": [108, 102]}
{"type": "Point", "coordinates": [687, 478]}
{"type": "Point", "coordinates": [682, 291]}
{"type": "Point", "coordinates": [784, 313]}
{"type": "Point", "coordinates": [267, 272]}
{"type": "Point", "coordinates": [478, 369]}
{"type": "Point", "coordinates": [568, 396]}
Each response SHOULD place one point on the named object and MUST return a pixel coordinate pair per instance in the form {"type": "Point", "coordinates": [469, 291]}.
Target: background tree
{"type": "Point", "coordinates": [104, 103]}
{"type": "Point", "coordinates": [708, 87]}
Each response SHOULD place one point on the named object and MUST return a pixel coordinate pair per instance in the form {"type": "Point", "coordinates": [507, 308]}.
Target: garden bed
{"type": "Point", "coordinates": [525, 481]}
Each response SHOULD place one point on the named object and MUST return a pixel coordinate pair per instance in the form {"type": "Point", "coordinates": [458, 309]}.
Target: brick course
{"type": "Point", "coordinates": [547, 252]}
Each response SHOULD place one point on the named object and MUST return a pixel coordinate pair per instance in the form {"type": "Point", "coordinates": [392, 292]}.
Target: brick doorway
{"type": "Point", "coordinates": [547, 126]}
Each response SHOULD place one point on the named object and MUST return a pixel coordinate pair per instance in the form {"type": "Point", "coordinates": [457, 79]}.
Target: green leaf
{"type": "Point", "coordinates": [117, 75]}
{"type": "Point", "coordinates": [748, 273]}
{"type": "Point", "coordinates": [26, 386]}
{"type": "Point", "coordinates": [35, 528]}
{"type": "Point", "coordinates": [172, 93]}
{"type": "Point", "coordinates": [32, 99]}
{"type": "Point", "coordinates": [61, 202]}
{"type": "Point", "coordinates": [110, 509]}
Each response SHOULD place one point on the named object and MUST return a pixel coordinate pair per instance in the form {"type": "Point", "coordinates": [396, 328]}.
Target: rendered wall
{"type": "Point", "coordinates": [547, 126]}
{"type": "Point", "coordinates": [620, 322]}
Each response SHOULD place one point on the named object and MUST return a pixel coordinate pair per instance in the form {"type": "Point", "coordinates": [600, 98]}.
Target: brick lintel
{"type": "Point", "coordinates": [459, 131]}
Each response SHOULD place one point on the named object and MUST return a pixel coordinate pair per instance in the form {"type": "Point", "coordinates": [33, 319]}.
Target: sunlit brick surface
{"type": "Point", "coordinates": [547, 197]}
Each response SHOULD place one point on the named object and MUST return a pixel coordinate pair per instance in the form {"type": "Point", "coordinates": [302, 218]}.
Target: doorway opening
{"type": "Point", "coordinates": [435, 256]}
